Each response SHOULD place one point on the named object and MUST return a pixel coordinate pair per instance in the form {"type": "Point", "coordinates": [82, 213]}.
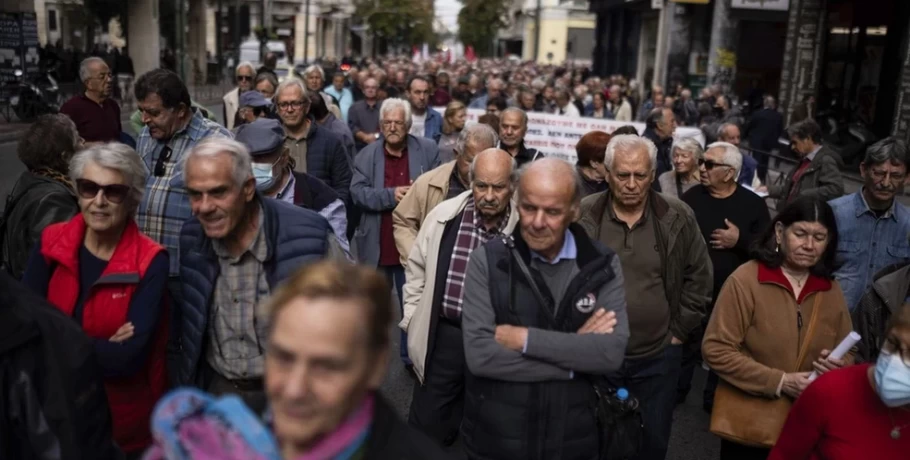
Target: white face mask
{"type": "Point", "coordinates": [892, 379]}
{"type": "Point", "coordinates": [264, 175]}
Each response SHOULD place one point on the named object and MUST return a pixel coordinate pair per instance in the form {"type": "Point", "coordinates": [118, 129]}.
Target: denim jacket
{"type": "Point", "coordinates": [867, 243]}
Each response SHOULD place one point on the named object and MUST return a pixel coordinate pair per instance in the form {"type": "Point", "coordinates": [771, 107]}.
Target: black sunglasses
{"type": "Point", "coordinates": [710, 164]}
{"type": "Point", "coordinates": [244, 78]}
{"type": "Point", "coordinates": [115, 193]}
{"type": "Point", "coordinates": [161, 164]}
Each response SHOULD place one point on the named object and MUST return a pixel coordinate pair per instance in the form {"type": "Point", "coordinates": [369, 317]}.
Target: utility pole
{"type": "Point", "coordinates": [219, 41]}
{"type": "Point", "coordinates": [537, 12]}
{"type": "Point", "coordinates": [180, 38]}
{"type": "Point", "coordinates": [306, 34]}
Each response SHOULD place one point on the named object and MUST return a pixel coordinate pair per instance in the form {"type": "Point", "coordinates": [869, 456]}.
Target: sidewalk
{"type": "Point", "coordinates": [205, 95]}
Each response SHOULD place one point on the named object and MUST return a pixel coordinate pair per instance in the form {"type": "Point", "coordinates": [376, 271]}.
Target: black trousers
{"type": "Point", "coordinates": [437, 406]}
{"type": "Point", "coordinates": [730, 450]}
{"type": "Point", "coordinates": [251, 391]}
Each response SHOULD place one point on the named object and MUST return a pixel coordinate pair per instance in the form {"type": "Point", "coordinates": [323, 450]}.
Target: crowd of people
{"type": "Point", "coordinates": [225, 291]}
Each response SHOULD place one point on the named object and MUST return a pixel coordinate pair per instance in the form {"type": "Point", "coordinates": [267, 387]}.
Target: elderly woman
{"type": "Point", "coordinates": [43, 195]}
{"type": "Point", "coordinates": [684, 175]}
{"type": "Point", "coordinates": [871, 418]}
{"type": "Point", "coordinates": [100, 270]}
{"type": "Point", "coordinates": [452, 123]}
{"type": "Point", "coordinates": [774, 322]}
{"type": "Point", "coordinates": [266, 83]}
{"type": "Point", "coordinates": [598, 107]}
{"type": "Point", "coordinates": [591, 149]}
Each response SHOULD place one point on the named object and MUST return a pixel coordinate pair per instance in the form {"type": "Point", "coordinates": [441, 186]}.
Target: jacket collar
{"type": "Point", "coordinates": [893, 287]}
{"type": "Point", "coordinates": [124, 263]}
{"type": "Point", "coordinates": [656, 202]}
{"type": "Point", "coordinates": [452, 208]}
{"type": "Point", "coordinates": [442, 176]}
{"type": "Point", "coordinates": [768, 275]}
{"type": "Point", "coordinates": [586, 250]}
{"type": "Point", "coordinates": [861, 207]}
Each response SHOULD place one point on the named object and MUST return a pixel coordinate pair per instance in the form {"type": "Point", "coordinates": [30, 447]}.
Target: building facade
{"type": "Point", "coordinates": [566, 31]}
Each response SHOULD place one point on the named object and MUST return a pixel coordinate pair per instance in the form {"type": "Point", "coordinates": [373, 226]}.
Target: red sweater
{"type": "Point", "coordinates": [840, 417]}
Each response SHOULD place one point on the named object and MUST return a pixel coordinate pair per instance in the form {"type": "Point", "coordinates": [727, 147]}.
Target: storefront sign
{"type": "Point", "coordinates": [556, 135]}
{"type": "Point", "coordinates": [770, 5]}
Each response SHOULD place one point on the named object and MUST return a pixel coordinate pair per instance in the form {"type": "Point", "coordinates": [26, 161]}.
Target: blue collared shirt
{"type": "Point", "coordinates": [867, 242]}
{"type": "Point", "coordinates": [568, 252]}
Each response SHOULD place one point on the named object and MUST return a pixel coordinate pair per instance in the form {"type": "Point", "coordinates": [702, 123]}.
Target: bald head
{"type": "Point", "coordinates": [553, 174]}
{"type": "Point", "coordinates": [492, 183]}
{"type": "Point", "coordinates": [549, 192]}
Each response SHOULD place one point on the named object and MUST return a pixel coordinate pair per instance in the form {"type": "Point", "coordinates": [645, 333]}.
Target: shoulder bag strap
{"type": "Point", "coordinates": [813, 320]}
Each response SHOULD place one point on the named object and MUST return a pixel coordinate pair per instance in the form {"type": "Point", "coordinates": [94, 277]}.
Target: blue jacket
{"type": "Point", "coordinates": [433, 124]}
{"type": "Point", "coordinates": [327, 160]}
{"type": "Point", "coordinates": [747, 172]}
{"type": "Point", "coordinates": [368, 192]}
{"type": "Point", "coordinates": [344, 97]}
{"type": "Point", "coordinates": [295, 236]}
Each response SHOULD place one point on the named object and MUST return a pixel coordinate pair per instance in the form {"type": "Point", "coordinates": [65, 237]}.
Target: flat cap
{"type": "Point", "coordinates": [262, 136]}
{"type": "Point", "coordinates": [253, 99]}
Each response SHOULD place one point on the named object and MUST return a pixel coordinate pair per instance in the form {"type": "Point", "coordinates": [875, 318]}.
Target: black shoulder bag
{"type": "Point", "coordinates": [619, 420]}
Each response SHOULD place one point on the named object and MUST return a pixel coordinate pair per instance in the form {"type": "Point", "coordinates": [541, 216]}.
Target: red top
{"type": "Point", "coordinates": [396, 175]}
{"type": "Point", "coordinates": [841, 417]}
{"type": "Point", "coordinates": [797, 175]}
{"type": "Point", "coordinates": [95, 123]}
{"type": "Point", "coordinates": [131, 398]}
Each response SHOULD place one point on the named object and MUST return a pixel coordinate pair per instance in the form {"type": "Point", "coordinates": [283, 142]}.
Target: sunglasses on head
{"type": "Point", "coordinates": [115, 193]}
{"type": "Point", "coordinates": [710, 164]}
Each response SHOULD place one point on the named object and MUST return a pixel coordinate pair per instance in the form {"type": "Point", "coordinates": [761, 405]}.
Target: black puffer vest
{"type": "Point", "coordinates": [538, 420]}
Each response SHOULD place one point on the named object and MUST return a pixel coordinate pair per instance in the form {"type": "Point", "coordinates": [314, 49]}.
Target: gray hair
{"type": "Point", "coordinates": [83, 67]}
{"type": "Point", "coordinates": [213, 146]}
{"type": "Point", "coordinates": [292, 82]}
{"type": "Point", "coordinates": [513, 171]}
{"type": "Point", "coordinates": [314, 68]}
{"type": "Point", "coordinates": [524, 115]}
{"type": "Point", "coordinates": [887, 150]}
{"type": "Point", "coordinates": [627, 142]}
{"type": "Point", "coordinates": [393, 103]}
{"type": "Point", "coordinates": [119, 157]}
{"type": "Point", "coordinates": [732, 156]}
{"type": "Point", "coordinates": [246, 64]}
{"type": "Point", "coordinates": [722, 129]}
{"type": "Point", "coordinates": [691, 145]}
{"type": "Point", "coordinates": [476, 133]}
{"type": "Point", "coordinates": [768, 102]}
{"type": "Point", "coordinates": [266, 76]}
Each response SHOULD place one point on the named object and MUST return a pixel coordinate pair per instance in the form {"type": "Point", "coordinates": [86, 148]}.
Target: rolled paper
{"type": "Point", "coordinates": [842, 348]}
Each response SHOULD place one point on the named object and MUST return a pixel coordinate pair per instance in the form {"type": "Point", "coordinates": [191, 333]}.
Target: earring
{"type": "Point", "coordinates": [777, 248]}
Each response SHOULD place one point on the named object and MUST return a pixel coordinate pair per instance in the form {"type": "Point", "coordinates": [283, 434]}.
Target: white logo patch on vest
{"type": "Point", "coordinates": [586, 304]}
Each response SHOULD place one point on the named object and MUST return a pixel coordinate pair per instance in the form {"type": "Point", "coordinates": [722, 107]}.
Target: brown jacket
{"type": "Point", "coordinates": [753, 336]}
{"type": "Point", "coordinates": [430, 189]}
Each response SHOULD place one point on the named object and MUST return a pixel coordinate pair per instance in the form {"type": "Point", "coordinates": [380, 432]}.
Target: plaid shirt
{"type": "Point", "coordinates": [165, 205]}
{"type": "Point", "coordinates": [471, 234]}
{"type": "Point", "coordinates": [236, 336]}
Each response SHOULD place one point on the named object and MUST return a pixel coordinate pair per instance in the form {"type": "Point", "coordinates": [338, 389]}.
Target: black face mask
{"type": "Point", "coordinates": [718, 111]}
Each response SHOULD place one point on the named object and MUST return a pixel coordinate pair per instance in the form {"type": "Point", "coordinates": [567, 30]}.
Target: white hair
{"type": "Point", "coordinates": [628, 142]}
{"type": "Point", "coordinates": [247, 64]}
{"type": "Point", "coordinates": [119, 157]}
{"type": "Point", "coordinates": [314, 68]}
{"type": "Point", "coordinates": [690, 145]}
{"type": "Point", "coordinates": [289, 82]}
{"type": "Point", "coordinates": [732, 157]}
{"type": "Point", "coordinates": [213, 146]}
{"type": "Point", "coordinates": [393, 103]}
{"type": "Point", "coordinates": [83, 67]}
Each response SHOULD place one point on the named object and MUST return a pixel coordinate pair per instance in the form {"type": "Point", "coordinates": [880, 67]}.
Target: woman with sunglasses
{"type": "Point", "coordinates": [775, 321]}
{"type": "Point", "coordinates": [861, 411]}
{"type": "Point", "coordinates": [100, 270]}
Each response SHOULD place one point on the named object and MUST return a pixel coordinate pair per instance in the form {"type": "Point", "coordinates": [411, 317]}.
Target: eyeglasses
{"type": "Point", "coordinates": [161, 164]}
{"type": "Point", "coordinates": [292, 104]}
{"type": "Point", "coordinates": [894, 178]}
{"type": "Point", "coordinates": [244, 78]}
{"type": "Point", "coordinates": [115, 193]}
{"type": "Point", "coordinates": [710, 164]}
{"type": "Point", "coordinates": [392, 123]}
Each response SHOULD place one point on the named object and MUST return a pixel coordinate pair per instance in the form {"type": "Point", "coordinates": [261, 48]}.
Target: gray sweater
{"type": "Point", "coordinates": [550, 355]}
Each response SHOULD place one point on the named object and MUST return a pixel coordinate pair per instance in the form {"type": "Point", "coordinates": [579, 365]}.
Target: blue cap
{"type": "Point", "coordinates": [253, 99]}
{"type": "Point", "coordinates": [262, 136]}
{"type": "Point", "coordinates": [622, 394]}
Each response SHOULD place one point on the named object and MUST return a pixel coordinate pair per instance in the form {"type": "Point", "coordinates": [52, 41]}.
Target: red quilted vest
{"type": "Point", "coordinates": [131, 398]}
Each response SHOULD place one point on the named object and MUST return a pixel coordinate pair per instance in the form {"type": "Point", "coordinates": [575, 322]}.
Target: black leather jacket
{"type": "Point", "coordinates": [34, 203]}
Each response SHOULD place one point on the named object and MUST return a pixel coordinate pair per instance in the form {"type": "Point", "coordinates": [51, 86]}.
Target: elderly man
{"type": "Point", "coordinates": [619, 104]}
{"type": "Point", "coordinates": [435, 287]}
{"type": "Point", "coordinates": [245, 74]}
{"type": "Point", "coordinates": [818, 172]}
{"type": "Point", "coordinates": [872, 226]}
{"type": "Point", "coordinates": [564, 105]}
{"type": "Point", "coordinates": [495, 89]}
{"type": "Point", "coordinates": [438, 185]}
{"type": "Point", "coordinates": [383, 174]}
{"type": "Point", "coordinates": [314, 149]}
{"type": "Point", "coordinates": [513, 125]}
{"type": "Point", "coordinates": [235, 251]}
{"type": "Point", "coordinates": [730, 218]}
{"type": "Point", "coordinates": [426, 121]}
{"type": "Point", "coordinates": [656, 101]}
{"type": "Point", "coordinates": [748, 175]}
{"type": "Point", "coordinates": [659, 128]}
{"type": "Point", "coordinates": [527, 370]}
{"type": "Point", "coordinates": [275, 178]}
{"type": "Point", "coordinates": [96, 115]}
{"type": "Point", "coordinates": [363, 116]}
{"type": "Point", "coordinates": [667, 275]}
{"type": "Point", "coordinates": [172, 129]}
{"type": "Point", "coordinates": [341, 94]}
{"type": "Point", "coordinates": [266, 83]}
{"type": "Point", "coordinates": [253, 106]}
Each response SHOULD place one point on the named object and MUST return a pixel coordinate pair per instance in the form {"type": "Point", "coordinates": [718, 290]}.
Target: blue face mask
{"type": "Point", "coordinates": [264, 175]}
{"type": "Point", "coordinates": [892, 379]}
